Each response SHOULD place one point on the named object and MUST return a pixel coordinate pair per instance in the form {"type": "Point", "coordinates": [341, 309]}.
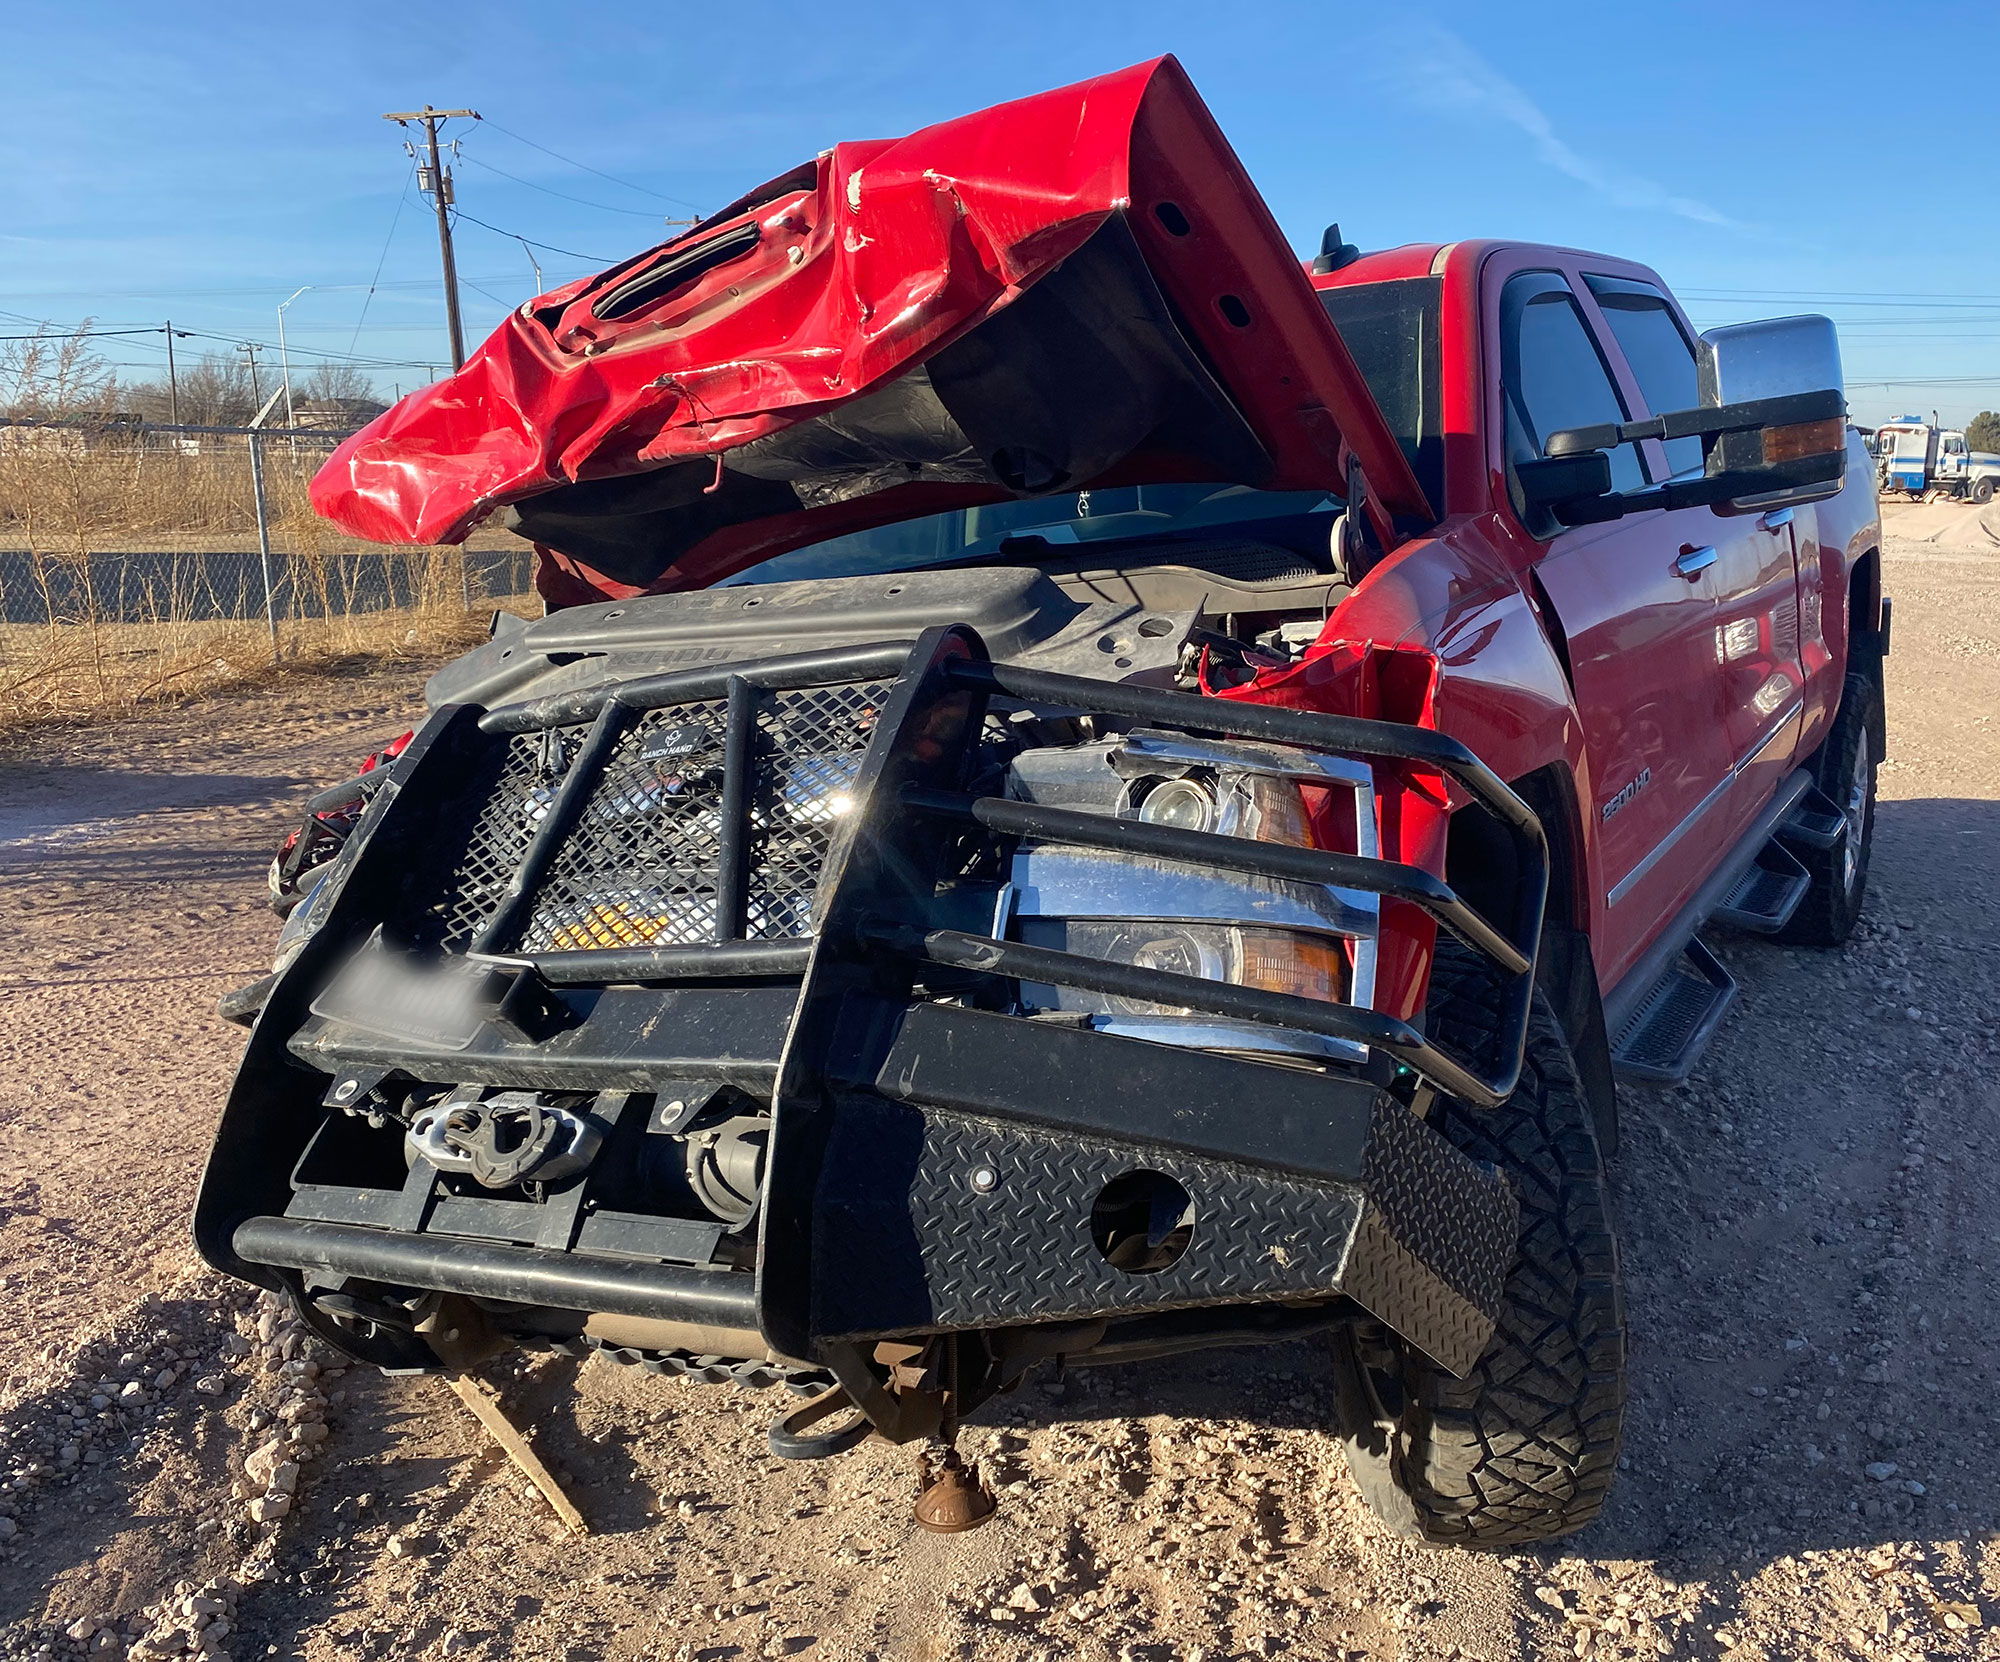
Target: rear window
{"type": "Point", "coordinates": [1661, 357]}
{"type": "Point", "coordinates": [1391, 329]}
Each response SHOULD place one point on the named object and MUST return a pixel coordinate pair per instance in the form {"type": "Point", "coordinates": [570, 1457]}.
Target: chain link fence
{"type": "Point", "coordinates": [138, 560]}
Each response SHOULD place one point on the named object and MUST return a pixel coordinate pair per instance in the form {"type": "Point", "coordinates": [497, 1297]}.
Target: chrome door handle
{"type": "Point", "coordinates": [1694, 561]}
{"type": "Point", "coordinates": [1777, 519]}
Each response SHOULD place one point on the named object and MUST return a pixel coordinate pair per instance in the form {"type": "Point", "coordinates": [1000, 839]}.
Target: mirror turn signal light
{"type": "Point", "coordinates": [1803, 439]}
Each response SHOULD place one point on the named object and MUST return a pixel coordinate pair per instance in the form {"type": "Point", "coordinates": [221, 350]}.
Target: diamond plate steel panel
{"type": "Point", "coordinates": [904, 1240]}
{"type": "Point", "coordinates": [1457, 1217]}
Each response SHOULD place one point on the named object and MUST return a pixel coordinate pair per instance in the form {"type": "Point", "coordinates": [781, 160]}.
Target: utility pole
{"type": "Point", "coordinates": [173, 381]}
{"type": "Point", "coordinates": [436, 179]}
{"type": "Point", "coordinates": [249, 350]}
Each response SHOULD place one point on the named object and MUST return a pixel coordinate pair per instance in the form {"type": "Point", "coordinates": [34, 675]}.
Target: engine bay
{"type": "Point", "coordinates": [1145, 613]}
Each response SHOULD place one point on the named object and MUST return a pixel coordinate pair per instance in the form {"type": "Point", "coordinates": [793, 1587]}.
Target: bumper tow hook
{"type": "Point", "coordinates": [803, 1434]}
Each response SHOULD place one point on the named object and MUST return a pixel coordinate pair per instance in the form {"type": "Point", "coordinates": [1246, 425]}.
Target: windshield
{"type": "Point", "coordinates": [1055, 525]}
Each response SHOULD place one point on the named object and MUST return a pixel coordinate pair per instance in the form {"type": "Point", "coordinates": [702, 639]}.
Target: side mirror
{"type": "Point", "coordinates": [1773, 359]}
{"type": "Point", "coordinates": [1557, 482]}
{"type": "Point", "coordinates": [1772, 424]}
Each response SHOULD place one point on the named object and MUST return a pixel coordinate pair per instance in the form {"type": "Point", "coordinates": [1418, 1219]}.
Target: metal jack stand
{"type": "Point", "coordinates": [951, 1496]}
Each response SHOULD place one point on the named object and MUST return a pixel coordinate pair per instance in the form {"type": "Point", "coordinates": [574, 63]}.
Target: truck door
{"type": "Point", "coordinates": [1951, 457]}
{"type": "Point", "coordinates": [1914, 459]}
{"type": "Point", "coordinates": [1752, 572]}
{"type": "Point", "coordinates": [1640, 628]}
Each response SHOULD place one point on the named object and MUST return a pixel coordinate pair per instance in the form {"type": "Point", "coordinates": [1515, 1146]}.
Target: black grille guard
{"type": "Point", "coordinates": [947, 673]}
{"type": "Point", "coordinates": [886, 1094]}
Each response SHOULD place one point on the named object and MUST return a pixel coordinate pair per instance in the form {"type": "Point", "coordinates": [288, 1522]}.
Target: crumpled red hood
{"type": "Point", "coordinates": [822, 288]}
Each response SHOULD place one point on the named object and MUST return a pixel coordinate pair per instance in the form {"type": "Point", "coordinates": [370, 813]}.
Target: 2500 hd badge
{"type": "Point", "coordinates": [1645, 778]}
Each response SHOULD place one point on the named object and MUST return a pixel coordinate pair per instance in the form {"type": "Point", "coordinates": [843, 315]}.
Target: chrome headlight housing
{"type": "Point", "coordinates": [1213, 924]}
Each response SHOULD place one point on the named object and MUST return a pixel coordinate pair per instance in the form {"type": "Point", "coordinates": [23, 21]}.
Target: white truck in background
{"type": "Point", "coordinates": [1917, 457]}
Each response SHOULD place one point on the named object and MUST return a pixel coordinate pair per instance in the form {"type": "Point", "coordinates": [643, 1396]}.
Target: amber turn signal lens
{"type": "Point", "coordinates": [1807, 438]}
{"type": "Point", "coordinates": [1271, 810]}
{"type": "Point", "coordinates": [1277, 961]}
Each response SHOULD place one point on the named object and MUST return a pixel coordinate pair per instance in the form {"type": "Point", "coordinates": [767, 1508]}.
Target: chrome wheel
{"type": "Point", "coordinates": [1856, 811]}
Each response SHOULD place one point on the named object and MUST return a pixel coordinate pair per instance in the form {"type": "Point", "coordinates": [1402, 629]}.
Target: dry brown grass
{"type": "Point", "coordinates": [73, 489]}
{"type": "Point", "coordinates": [83, 634]}
{"type": "Point", "coordinates": [76, 670]}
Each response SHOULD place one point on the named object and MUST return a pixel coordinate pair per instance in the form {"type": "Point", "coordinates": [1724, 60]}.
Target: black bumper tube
{"type": "Point", "coordinates": [520, 1275]}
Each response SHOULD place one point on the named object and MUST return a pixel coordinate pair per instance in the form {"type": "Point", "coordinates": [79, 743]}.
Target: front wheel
{"type": "Point", "coordinates": [1524, 1448]}
{"type": "Point", "coordinates": [1832, 906]}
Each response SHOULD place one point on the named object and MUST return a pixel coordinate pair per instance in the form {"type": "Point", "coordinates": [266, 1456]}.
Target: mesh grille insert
{"type": "Point", "coordinates": [639, 868]}
{"type": "Point", "coordinates": [519, 782]}
{"type": "Point", "coordinates": [810, 746]}
{"type": "Point", "coordinates": [642, 865]}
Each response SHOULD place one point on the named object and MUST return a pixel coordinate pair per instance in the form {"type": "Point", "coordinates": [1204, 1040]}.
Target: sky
{"type": "Point", "coordinates": [202, 164]}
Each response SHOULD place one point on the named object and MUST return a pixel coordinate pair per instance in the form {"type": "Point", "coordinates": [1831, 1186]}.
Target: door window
{"type": "Point", "coordinates": [1660, 356]}
{"type": "Point", "coordinates": [1553, 378]}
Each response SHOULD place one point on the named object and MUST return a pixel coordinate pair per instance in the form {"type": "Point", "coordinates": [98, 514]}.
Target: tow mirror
{"type": "Point", "coordinates": [1772, 424]}
{"type": "Point", "coordinates": [1554, 482]}
{"type": "Point", "coordinates": [1772, 359]}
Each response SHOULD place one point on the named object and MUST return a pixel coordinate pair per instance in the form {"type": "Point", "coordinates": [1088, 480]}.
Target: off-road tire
{"type": "Point", "coordinates": [1846, 773]}
{"type": "Point", "coordinates": [1982, 491]}
{"type": "Point", "coordinates": [1524, 1448]}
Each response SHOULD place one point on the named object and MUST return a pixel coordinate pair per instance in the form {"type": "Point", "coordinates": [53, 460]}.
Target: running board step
{"type": "Point", "coordinates": [1814, 822]}
{"type": "Point", "coordinates": [1665, 1036]}
{"type": "Point", "coordinates": [1766, 895]}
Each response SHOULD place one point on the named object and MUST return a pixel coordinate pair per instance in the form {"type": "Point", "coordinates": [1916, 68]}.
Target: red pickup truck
{"type": "Point", "coordinates": [1084, 792]}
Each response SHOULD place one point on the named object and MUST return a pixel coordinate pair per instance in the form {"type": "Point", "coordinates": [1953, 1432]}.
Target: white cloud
{"type": "Point", "coordinates": [1434, 68]}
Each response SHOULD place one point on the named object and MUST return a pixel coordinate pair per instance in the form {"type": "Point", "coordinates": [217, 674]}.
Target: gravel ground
{"type": "Point", "coordinates": [1811, 1228]}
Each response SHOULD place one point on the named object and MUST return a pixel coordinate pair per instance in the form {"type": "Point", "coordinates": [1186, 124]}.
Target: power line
{"type": "Point", "coordinates": [266, 288]}
{"type": "Point", "coordinates": [490, 295]}
{"type": "Point", "coordinates": [570, 161]}
{"type": "Point", "coordinates": [564, 196]}
{"type": "Point", "coordinates": [600, 259]}
{"type": "Point", "coordinates": [394, 220]}
{"type": "Point", "coordinates": [315, 352]}
{"type": "Point", "coordinates": [56, 331]}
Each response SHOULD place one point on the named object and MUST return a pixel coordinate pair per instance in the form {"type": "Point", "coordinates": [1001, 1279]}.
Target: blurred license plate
{"type": "Point", "coordinates": [379, 991]}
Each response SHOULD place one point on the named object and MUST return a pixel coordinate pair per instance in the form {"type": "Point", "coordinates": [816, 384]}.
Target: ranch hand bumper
{"type": "Point", "coordinates": [933, 1165]}
{"type": "Point", "coordinates": [961, 1187]}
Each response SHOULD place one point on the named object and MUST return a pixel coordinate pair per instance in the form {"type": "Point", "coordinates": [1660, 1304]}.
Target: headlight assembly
{"type": "Point", "coordinates": [1238, 803]}
{"type": "Point", "coordinates": [1184, 804]}
{"type": "Point", "coordinates": [1275, 960]}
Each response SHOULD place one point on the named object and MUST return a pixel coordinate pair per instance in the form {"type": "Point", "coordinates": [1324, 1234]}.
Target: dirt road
{"type": "Point", "coordinates": [1812, 1239]}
